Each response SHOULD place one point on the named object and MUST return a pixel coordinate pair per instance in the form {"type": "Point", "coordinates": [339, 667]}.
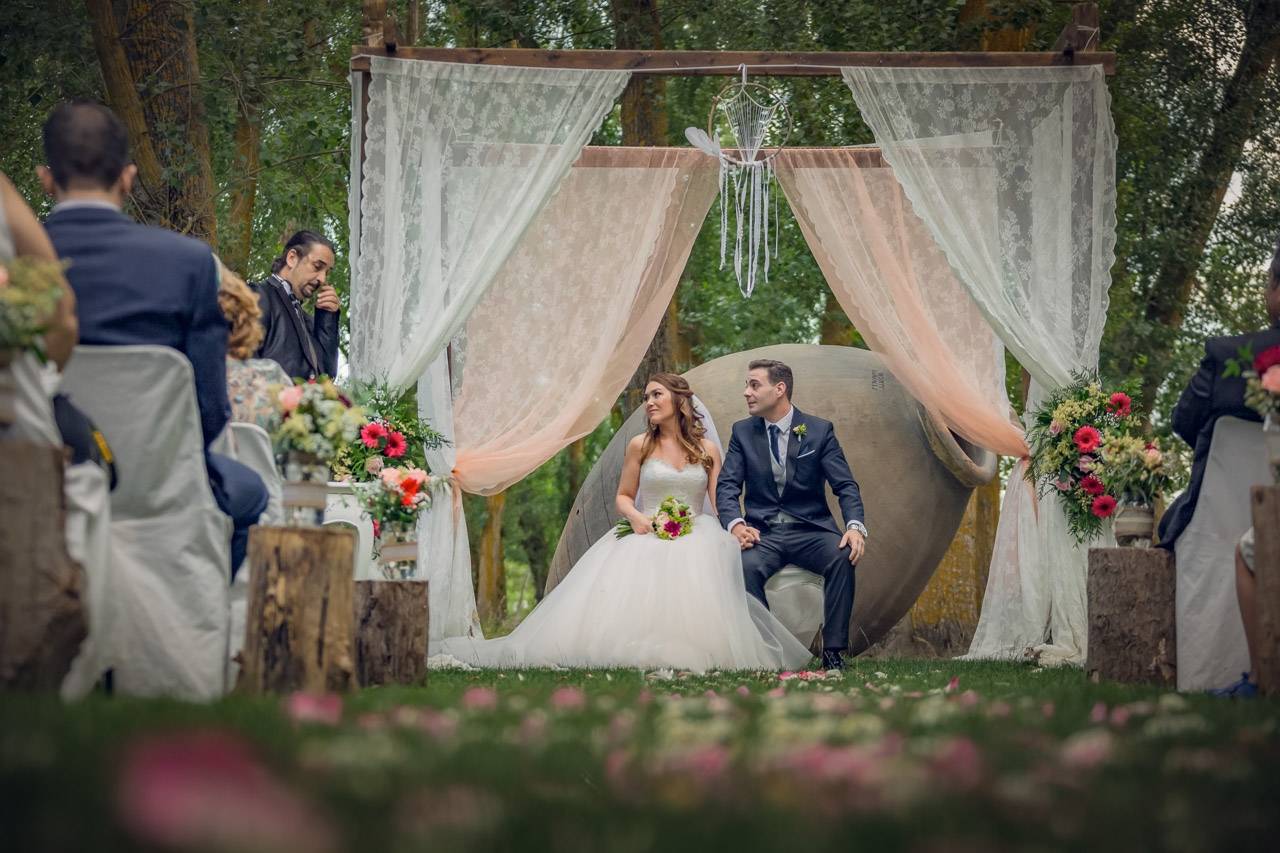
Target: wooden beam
{"type": "Point", "coordinates": [700, 63]}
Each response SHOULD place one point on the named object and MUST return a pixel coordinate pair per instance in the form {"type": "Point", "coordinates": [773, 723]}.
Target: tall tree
{"type": "Point", "coordinates": [152, 75]}
{"type": "Point", "coordinates": [1202, 191]}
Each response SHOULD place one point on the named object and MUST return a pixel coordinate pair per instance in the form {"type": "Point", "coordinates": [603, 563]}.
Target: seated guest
{"type": "Point", "coordinates": [139, 285]}
{"type": "Point", "coordinates": [1210, 396]}
{"type": "Point", "coordinates": [21, 236]}
{"type": "Point", "coordinates": [1246, 579]}
{"type": "Point", "coordinates": [248, 379]}
{"type": "Point", "coordinates": [305, 344]}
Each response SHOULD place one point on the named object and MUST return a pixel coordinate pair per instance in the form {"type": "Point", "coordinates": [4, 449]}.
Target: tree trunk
{"type": "Point", "coordinates": [637, 26]}
{"type": "Point", "coordinates": [1266, 568]}
{"type": "Point", "coordinates": [373, 18]}
{"type": "Point", "coordinates": [492, 583]}
{"type": "Point", "coordinates": [1202, 193]}
{"type": "Point", "coordinates": [836, 330]}
{"type": "Point", "coordinates": [299, 628]}
{"type": "Point", "coordinates": [413, 22]}
{"type": "Point", "coordinates": [391, 632]}
{"type": "Point", "coordinates": [247, 160]}
{"type": "Point", "coordinates": [1131, 616]}
{"type": "Point", "coordinates": [162, 73]}
{"type": "Point", "coordinates": [42, 620]}
{"type": "Point", "coordinates": [993, 32]}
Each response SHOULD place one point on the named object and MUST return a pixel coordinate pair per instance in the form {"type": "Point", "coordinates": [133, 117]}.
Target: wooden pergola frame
{"type": "Point", "coordinates": [1075, 46]}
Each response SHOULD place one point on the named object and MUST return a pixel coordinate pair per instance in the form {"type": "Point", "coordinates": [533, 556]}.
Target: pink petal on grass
{"type": "Point", "coordinates": [480, 699]}
{"type": "Point", "coordinates": [1099, 713]}
{"type": "Point", "coordinates": [954, 684]}
{"type": "Point", "coordinates": [1087, 749]}
{"type": "Point", "coordinates": [207, 791]}
{"type": "Point", "coordinates": [325, 708]}
{"type": "Point", "coordinates": [958, 762]}
{"type": "Point", "coordinates": [568, 699]}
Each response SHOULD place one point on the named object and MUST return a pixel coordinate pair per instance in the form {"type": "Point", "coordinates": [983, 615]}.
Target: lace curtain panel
{"type": "Point", "coordinates": [458, 161]}
{"type": "Point", "coordinates": [570, 315]}
{"type": "Point", "coordinates": [601, 260]}
{"type": "Point", "coordinates": [1013, 172]}
{"type": "Point", "coordinates": [896, 286]}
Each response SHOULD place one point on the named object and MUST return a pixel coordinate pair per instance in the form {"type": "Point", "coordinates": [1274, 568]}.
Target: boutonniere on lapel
{"type": "Point", "coordinates": [800, 430]}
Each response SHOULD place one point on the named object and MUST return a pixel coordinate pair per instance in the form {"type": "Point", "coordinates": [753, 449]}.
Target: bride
{"type": "Point", "coordinates": [641, 601]}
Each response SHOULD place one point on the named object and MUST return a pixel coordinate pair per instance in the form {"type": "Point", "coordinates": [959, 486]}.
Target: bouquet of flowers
{"type": "Point", "coordinates": [673, 519]}
{"type": "Point", "coordinates": [1261, 379]}
{"type": "Point", "coordinates": [316, 420]}
{"type": "Point", "coordinates": [1069, 438]}
{"type": "Point", "coordinates": [1135, 469]}
{"type": "Point", "coordinates": [392, 434]}
{"type": "Point", "coordinates": [29, 295]}
{"type": "Point", "coordinates": [393, 501]}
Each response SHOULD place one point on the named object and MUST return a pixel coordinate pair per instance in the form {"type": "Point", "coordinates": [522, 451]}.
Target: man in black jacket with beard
{"type": "Point", "coordinates": [304, 344]}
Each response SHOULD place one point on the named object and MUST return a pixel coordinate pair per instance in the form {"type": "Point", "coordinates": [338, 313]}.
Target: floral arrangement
{"type": "Point", "coordinates": [1085, 448]}
{"type": "Point", "coordinates": [392, 434]}
{"type": "Point", "coordinates": [673, 519]}
{"type": "Point", "coordinates": [1261, 379]}
{"type": "Point", "coordinates": [29, 295]}
{"type": "Point", "coordinates": [316, 419]}
{"type": "Point", "coordinates": [397, 496]}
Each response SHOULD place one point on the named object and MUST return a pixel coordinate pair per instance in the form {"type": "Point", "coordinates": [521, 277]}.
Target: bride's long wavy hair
{"type": "Point", "coordinates": [690, 430]}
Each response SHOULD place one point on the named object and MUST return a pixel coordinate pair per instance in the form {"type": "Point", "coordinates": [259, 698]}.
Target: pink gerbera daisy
{"type": "Point", "coordinates": [396, 445]}
{"type": "Point", "coordinates": [372, 434]}
{"type": "Point", "coordinates": [1120, 404]}
{"type": "Point", "coordinates": [1087, 439]}
{"type": "Point", "coordinates": [1091, 485]}
{"type": "Point", "coordinates": [1104, 506]}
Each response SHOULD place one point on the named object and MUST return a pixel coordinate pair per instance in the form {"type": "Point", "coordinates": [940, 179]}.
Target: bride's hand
{"type": "Point", "coordinates": [642, 524]}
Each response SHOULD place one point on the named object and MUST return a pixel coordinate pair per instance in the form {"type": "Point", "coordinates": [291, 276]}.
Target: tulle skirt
{"type": "Point", "coordinates": [643, 602]}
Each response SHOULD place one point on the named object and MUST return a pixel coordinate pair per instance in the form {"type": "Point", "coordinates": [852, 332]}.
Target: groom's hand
{"type": "Point", "coordinates": [746, 535]}
{"type": "Point", "coordinates": [857, 544]}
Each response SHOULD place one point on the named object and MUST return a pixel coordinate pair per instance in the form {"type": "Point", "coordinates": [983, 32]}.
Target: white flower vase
{"type": "Point", "coordinates": [1271, 433]}
{"type": "Point", "coordinates": [306, 484]}
{"type": "Point", "coordinates": [397, 551]}
{"type": "Point", "coordinates": [1135, 526]}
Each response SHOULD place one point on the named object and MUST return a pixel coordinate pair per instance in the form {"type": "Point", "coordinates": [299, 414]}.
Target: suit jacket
{"type": "Point", "coordinates": [813, 460]}
{"type": "Point", "coordinates": [1207, 397]}
{"type": "Point", "coordinates": [140, 285]}
{"type": "Point", "coordinates": [287, 333]}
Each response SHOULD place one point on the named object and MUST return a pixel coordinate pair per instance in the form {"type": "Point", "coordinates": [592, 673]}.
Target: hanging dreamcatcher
{"type": "Point", "coordinates": [755, 119]}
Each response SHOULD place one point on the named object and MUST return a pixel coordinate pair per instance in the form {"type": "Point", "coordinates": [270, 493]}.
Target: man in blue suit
{"type": "Point", "coordinates": [785, 459]}
{"type": "Point", "coordinates": [140, 285]}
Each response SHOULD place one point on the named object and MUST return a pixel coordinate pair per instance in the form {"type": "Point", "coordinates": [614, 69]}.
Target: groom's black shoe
{"type": "Point", "coordinates": [831, 659]}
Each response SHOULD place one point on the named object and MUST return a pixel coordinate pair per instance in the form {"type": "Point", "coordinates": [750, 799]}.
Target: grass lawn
{"type": "Point", "coordinates": [894, 755]}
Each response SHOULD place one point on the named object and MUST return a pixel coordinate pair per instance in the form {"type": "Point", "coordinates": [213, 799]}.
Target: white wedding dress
{"type": "Point", "coordinates": [641, 601]}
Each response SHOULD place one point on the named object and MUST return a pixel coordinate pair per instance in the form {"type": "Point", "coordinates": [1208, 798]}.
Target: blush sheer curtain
{"type": "Point", "coordinates": [458, 161]}
{"type": "Point", "coordinates": [896, 286]}
{"type": "Point", "coordinates": [1013, 172]}
{"type": "Point", "coordinates": [554, 341]}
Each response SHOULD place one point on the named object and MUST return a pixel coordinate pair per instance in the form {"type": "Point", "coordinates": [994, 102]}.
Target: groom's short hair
{"type": "Point", "coordinates": [85, 145]}
{"type": "Point", "coordinates": [778, 372]}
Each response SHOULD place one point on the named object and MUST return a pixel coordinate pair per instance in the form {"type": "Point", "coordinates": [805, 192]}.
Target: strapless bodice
{"type": "Point", "coordinates": [660, 480]}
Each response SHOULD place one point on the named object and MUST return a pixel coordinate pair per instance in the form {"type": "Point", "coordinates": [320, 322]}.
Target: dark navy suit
{"type": "Point", "coordinates": [139, 285]}
{"type": "Point", "coordinates": [812, 539]}
{"type": "Point", "coordinates": [1209, 396]}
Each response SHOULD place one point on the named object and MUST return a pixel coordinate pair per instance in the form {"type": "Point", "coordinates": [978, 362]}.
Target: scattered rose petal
{"type": "Point", "coordinates": [323, 708]}
{"type": "Point", "coordinates": [480, 699]}
{"type": "Point", "coordinates": [207, 791]}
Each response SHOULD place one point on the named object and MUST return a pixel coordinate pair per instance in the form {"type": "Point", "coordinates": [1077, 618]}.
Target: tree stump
{"type": "Point", "coordinates": [42, 621]}
{"type": "Point", "coordinates": [298, 632]}
{"type": "Point", "coordinates": [391, 632]}
{"type": "Point", "coordinates": [1266, 569]}
{"type": "Point", "coordinates": [1131, 615]}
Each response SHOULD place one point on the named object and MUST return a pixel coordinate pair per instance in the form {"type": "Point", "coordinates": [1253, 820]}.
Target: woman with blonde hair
{"type": "Point", "coordinates": [666, 597]}
{"type": "Point", "coordinates": [248, 379]}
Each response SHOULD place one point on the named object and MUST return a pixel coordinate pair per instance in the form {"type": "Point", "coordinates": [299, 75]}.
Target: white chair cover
{"type": "Point", "coordinates": [1211, 647]}
{"type": "Point", "coordinates": [249, 445]}
{"type": "Point", "coordinates": [87, 490]}
{"type": "Point", "coordinates": [170, 544]}
{"type": "Point", "coordinates": [342, 508]}
{"type": "Point", "coordinates": [30, 386]}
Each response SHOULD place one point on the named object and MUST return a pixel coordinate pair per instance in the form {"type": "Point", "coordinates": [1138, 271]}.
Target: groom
{"type": "Point", "coordinates": [784, 457]}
